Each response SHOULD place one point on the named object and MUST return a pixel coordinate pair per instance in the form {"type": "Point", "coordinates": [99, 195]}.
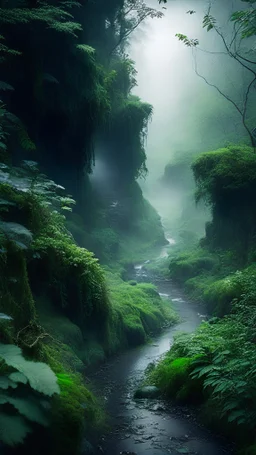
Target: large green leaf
{"type": "Point", "coordinates": [18, 377]}
{"type": "Point", "coordinates": [6, 382]}
{"type": "Point", "coordinates": [27, 407]}
{"type": "Point", "coordinates": [13, 429]}
{"type": "Point", "coordinates": [40, 376]}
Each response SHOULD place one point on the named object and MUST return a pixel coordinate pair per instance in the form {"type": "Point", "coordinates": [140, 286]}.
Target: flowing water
{"type": "Point", "coordinates": [150, 427]}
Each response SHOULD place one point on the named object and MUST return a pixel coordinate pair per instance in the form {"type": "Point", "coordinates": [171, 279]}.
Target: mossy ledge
{"type": "Point", "coordinates": [66, 309]}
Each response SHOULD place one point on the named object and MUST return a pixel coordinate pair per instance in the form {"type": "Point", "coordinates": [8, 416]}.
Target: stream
{"type": "Point", "coordinates": [152, 427]}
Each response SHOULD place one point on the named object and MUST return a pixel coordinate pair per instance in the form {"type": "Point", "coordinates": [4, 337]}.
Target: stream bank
{"type": "Point", "coordinates": [151, 427]}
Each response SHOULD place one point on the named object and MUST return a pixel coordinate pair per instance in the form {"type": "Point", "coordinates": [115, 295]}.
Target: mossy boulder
{"type": "Point", "coordinates": [147, 392]}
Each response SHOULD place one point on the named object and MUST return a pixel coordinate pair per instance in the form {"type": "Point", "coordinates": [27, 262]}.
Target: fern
{"type": "Point", "coordinates": [56, 18]}
{"type": "Point", "coordinates": [86, 49]}
{"type": "Point", "coordinates": [5, 50]}
{"type": "Point", "coordinates": [25, 141]}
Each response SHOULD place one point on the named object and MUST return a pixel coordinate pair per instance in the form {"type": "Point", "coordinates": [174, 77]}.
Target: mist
{"type": "Point", "coordinates": [189, 116]}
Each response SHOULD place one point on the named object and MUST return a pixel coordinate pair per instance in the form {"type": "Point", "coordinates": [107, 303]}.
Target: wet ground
{"type": "Point", "coordinates": [150, 427]}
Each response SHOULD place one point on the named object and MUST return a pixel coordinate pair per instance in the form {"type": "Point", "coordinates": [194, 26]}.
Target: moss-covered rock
{"type": "Point", "coordinates": [172, 377]}
{"type": "Point", "coordinates": [147, 392]}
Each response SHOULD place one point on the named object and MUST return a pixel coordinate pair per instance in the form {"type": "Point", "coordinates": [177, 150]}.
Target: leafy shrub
{"type": "Point", "coordinates": [21, 383]}
{"type": "Point", "coordinates": [222, 363]}
{"type": "Point", "coordinates": [75, 277]}
{"type": "Point", "coordinates": [219, 295]}
{"type": "Point", "coordinates": [173, 378]}
{"type": "Point", "coordinates": [191, 264]}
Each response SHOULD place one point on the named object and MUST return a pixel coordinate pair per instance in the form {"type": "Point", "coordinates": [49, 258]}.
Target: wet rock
{"type": "Point", "coordinates": [86, 448]}
{"type": "Point", "coordinates": [158, 408]}
{"type": "Point", "coordinates": [183, 450]}
{"type": "Point", "coordinates": [147, 392]}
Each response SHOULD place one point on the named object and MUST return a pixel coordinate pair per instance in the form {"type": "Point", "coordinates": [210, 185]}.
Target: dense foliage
{"type": "Point", "coordinates": [215, 366]}
{"type": "Point", "coordinates": [66, 104]}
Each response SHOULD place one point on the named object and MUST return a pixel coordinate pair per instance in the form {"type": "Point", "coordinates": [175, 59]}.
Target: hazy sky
{"type": "Point", "coordinates": [186, 111]}
{"type": "Point", "coordinates": [166, 77]}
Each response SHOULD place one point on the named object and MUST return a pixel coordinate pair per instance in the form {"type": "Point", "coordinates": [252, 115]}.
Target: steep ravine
{"type": "Point", "coordinates": [150, 427]}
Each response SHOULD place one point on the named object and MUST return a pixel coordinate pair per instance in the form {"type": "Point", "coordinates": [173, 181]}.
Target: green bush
{"type": "Point", "coordinates": [26, 388]}
{"type": "Point", "coordinates": [173, 378]}
{"type": "Point", "coordinates": [190, 264]}
{"type": "Point", "coordinates": [219, 295]}
{"type": "Point", "coordinates": [221, 358]}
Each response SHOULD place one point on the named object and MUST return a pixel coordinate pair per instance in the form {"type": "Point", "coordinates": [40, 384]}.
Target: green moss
{"type": "Point", "coordinates": [223, 173]}
{"type": "Point", "coordinates": [173, 378]}
{"type": "Point", "coordinates": [16, 298]}
{"type": "Point", "coordinates": [75, 415]}
{"type": "Point", "coordinates": [192, 263]}
{"type": "Point", "coordinates": [136, 312]}
{"type": "Point", "coordinates": [74, 276]}
{"type": "Point", "coordinates": [219, 295]}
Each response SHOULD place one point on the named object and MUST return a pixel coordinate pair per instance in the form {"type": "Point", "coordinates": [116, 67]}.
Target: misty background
{"type": "Point", "coordinates": [189, 116]}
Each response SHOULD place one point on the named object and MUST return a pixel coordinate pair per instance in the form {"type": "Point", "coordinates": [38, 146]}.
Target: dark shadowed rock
{"type": "Point", "coordinates": [147, 392]}
{"type": "Point", "coordinates": [87, 448]}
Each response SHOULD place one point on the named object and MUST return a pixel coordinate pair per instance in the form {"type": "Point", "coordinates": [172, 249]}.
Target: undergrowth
{"type": "Point", "coordinates": [215, 366]}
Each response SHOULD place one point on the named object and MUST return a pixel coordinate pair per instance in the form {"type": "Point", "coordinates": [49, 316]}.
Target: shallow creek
{"type": "Point", "coordinates": [152, 427]}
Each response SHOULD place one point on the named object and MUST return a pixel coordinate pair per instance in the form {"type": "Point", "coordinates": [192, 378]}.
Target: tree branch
{"type": "Point", "coordinates": [243, 111]}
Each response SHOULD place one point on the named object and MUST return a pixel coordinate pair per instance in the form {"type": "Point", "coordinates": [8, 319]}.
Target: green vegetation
{"type": "Point", "coordinates": [69, 110]}
{"type": "Point", "coordinates": [137, 312]}
{"type": "Point", "coordinates": [215, 366]}
{"type": "Point", "coordinates": [65, 310]}
{"type": "Point", "coordinates": [21, 407]}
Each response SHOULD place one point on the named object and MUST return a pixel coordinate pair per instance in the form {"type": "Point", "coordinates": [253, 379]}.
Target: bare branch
{"type": "Point", "coordinates": [241, 111]}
